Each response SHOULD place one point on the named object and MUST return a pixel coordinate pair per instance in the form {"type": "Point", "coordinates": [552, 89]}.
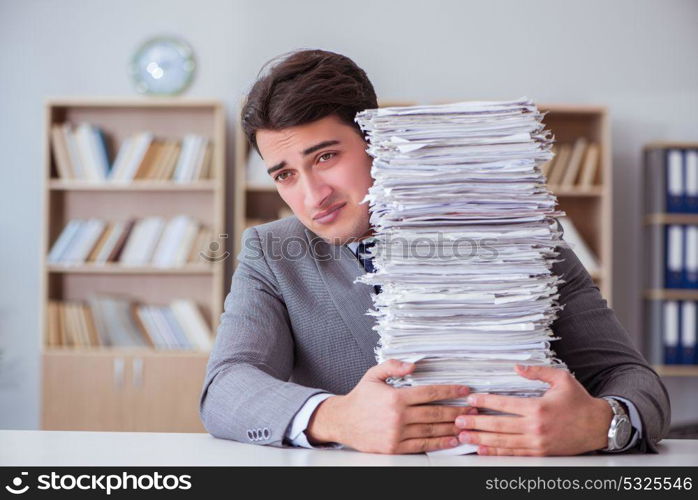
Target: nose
{"type": "Point", "coordinates": [317, 192]}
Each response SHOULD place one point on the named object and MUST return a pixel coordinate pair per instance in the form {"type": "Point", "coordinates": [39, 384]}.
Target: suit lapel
{"type": "Point", "coordinates": [338, 268]}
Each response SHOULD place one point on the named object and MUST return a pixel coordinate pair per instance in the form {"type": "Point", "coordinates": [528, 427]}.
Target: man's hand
{"type": "Point", "coordinates": [376, 417]}
{"type": "Point", "coordinates": [566, 420]}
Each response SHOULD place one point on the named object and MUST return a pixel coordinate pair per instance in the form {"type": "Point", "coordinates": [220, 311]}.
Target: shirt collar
{"type": "Point", "coordinates": [353, 246]}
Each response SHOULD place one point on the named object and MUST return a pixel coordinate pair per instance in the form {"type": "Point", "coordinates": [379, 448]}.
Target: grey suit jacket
{"type": "Point", "coordinates": [295, 324]}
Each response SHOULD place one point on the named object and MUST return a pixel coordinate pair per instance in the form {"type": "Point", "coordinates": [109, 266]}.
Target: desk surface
{"type": "Point", "coordinates": [78, 448]}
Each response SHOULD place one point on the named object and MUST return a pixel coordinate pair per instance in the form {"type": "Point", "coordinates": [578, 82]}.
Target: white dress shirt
{"type": "Point", "coordinates": [295, 434]}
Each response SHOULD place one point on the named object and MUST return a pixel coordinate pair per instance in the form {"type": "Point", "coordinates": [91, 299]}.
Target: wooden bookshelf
{"type": "Point", "coordinates": [124, 389]}
{"type": "Point", "coordinates": [589, 208]}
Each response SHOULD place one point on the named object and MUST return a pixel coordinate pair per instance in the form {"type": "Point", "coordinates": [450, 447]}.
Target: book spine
{"type": "Point", "coordinates": [676, 186]}
{"type": "Point", "coordinates": [675, 256]}
{"type": "Point", "coordinates": [671, 331]}
{"type": "Point", "coordinates": [687, 349]}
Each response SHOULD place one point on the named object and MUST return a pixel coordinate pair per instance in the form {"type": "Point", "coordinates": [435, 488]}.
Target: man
{"type": "Point", "coordinates": [293, 362]}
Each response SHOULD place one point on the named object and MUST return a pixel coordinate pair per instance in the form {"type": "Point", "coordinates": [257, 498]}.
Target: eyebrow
{"type": "Point", "coordinates": [306, 152]}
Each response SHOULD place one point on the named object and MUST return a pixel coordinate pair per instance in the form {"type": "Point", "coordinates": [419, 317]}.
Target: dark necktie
{"type": "Point", "coordinates": [367, 262]}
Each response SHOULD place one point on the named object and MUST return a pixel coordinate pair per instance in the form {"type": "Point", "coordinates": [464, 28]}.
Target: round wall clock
{"type": "Point", "coordinates": [163, 66]}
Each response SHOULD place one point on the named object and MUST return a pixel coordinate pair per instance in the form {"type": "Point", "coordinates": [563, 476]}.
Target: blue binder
{"type": "Point", "coordinates": [675, 262]}
{"type": "Point", "coordinates": [690, 165]}
{"type": "Point", "coordinates": [675, 181]}
{"type": "Point", "coordinates": [687, 351]}
{"type": "Point", "coordinates": [671, 331]}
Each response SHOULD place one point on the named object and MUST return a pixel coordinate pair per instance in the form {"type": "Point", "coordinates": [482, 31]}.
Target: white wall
{"type": "Point", "coordinates": [636, 57]}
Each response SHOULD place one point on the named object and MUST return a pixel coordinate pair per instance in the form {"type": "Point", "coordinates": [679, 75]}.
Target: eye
{"type": "Point", "coordinates": [282, 176]}
{"type": "Point", "coordinates": [326, 157]}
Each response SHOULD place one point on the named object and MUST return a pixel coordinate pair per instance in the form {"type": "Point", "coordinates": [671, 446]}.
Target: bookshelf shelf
{"type": "Point", "coordinates": [671, 294]}
{"type": "Point", "coordinates": [676, 370]}
{"type": "Point", "coordinates": [260, 189]}
{"type": "Point", "coordinates": [665, 218]}
{"type": "Point", "coordinates": [120, 269]}
{"type": "Point", "coordinates": [70, 185]}
{"type": "Point", "coordinates": [577, 192]}
{"type": "Point", "coordinates": [118, 388]}
{"type": "Point", "coordinates": [114, 351]}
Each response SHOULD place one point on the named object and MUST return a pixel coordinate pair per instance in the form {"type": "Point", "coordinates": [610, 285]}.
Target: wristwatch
{"type": "Point", "coordinates": [621, 429]}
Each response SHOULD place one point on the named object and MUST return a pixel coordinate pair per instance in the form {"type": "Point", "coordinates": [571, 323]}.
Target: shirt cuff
{"type": "Point", "coordinates": [635, 421]}
{"type": "Point", "coordinates": [296, 431]}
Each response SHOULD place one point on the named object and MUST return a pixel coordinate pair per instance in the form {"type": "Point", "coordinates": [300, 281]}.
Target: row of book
{"type": "Point", "coordinates": [150, 241]}
{"type": "Point", "coordinates": [674, 262]}
{"type": "Point", "coordinates": [574, 165]}
{"type": "Point", "coordinates": [672, 327]}
{"type": "Point", "coordinates": [114, 321]}
{"type": "Point", "coordinates": [81, 153]}
{"type": "Point", "coordinates": [671, 180]}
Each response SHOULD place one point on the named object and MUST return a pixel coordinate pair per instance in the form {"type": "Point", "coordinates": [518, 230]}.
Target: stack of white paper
{"type": "Point", "coordinates": [465, 241]}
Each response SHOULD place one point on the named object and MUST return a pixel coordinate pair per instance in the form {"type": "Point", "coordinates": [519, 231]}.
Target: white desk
{"type": "Point", "coordinates": [77, 448]}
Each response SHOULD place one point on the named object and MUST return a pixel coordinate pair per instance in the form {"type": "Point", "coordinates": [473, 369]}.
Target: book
{"type": "Point", "coordinates": [141, 243]}
{"type": "Point", "coordinates": [60, 246]}
{"type": "Point", "coordinates": [561, 161]}
{"type": "Point", "coordinates": [676, 182]}
{"type": "Point", "coordinates": [193, 324]}
{"type": "Point", "coordinates": [575, 162]}
{"type": "Point", "coordinates": [671, 331]}
{"type": "Point", "coordinates": [61, 156]}
{"type": "Point", "coordinates": [675, 260]}
{"type": "Point", "coordinates": [76, 160]}
{"type": "Point", "coordinates": [590, 166]}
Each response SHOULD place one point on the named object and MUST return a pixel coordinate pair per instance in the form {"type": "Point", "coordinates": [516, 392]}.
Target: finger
{"type": "Point", "coordinates": [508, 404]}
{"type": "Point", "coordinates": [427, 414]}
{"type": "Point", "coordinates": [430, 393]}
{"type": "Point", "coordinates": [389, 368]}
{"type": "Point", "coordinates": [512, 425]}
{"type": "Point", "coordinates": [548, 374]}
{"type": "Point", "coordinates": [515, 452]}
{"type": "Point", "coordinates": [496, 439]}
{"type": "Point", "coordinates": [429, 430]}
{"type": "Point", "coordinates": [423, 445]}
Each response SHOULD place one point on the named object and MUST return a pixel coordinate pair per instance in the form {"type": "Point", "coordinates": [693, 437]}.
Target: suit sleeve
{"type": "Point", "coordinates": [599, 351]}
{"type": "Point", "coordinates": [246, 394]}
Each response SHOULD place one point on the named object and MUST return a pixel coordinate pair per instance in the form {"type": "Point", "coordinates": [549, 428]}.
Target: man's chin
{"type": "Point", "coordinates": [336, 236]}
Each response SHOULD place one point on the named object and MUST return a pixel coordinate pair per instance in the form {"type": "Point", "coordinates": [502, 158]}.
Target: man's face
{"type": "Point", "coordinates": [322, 171]}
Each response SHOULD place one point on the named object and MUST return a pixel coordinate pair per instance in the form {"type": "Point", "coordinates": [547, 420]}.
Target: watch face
{"type": "Point", "coordinates": [623, 432]}
{"type": "Point", "coordinates": [163, 66]}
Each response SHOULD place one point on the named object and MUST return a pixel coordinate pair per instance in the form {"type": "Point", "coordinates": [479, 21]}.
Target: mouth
{"type": "Point", "coordinates": [329, 216]}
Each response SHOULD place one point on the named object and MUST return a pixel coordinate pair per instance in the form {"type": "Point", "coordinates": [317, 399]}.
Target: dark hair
{"type": "Point", "coordinates": [305, 86]}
